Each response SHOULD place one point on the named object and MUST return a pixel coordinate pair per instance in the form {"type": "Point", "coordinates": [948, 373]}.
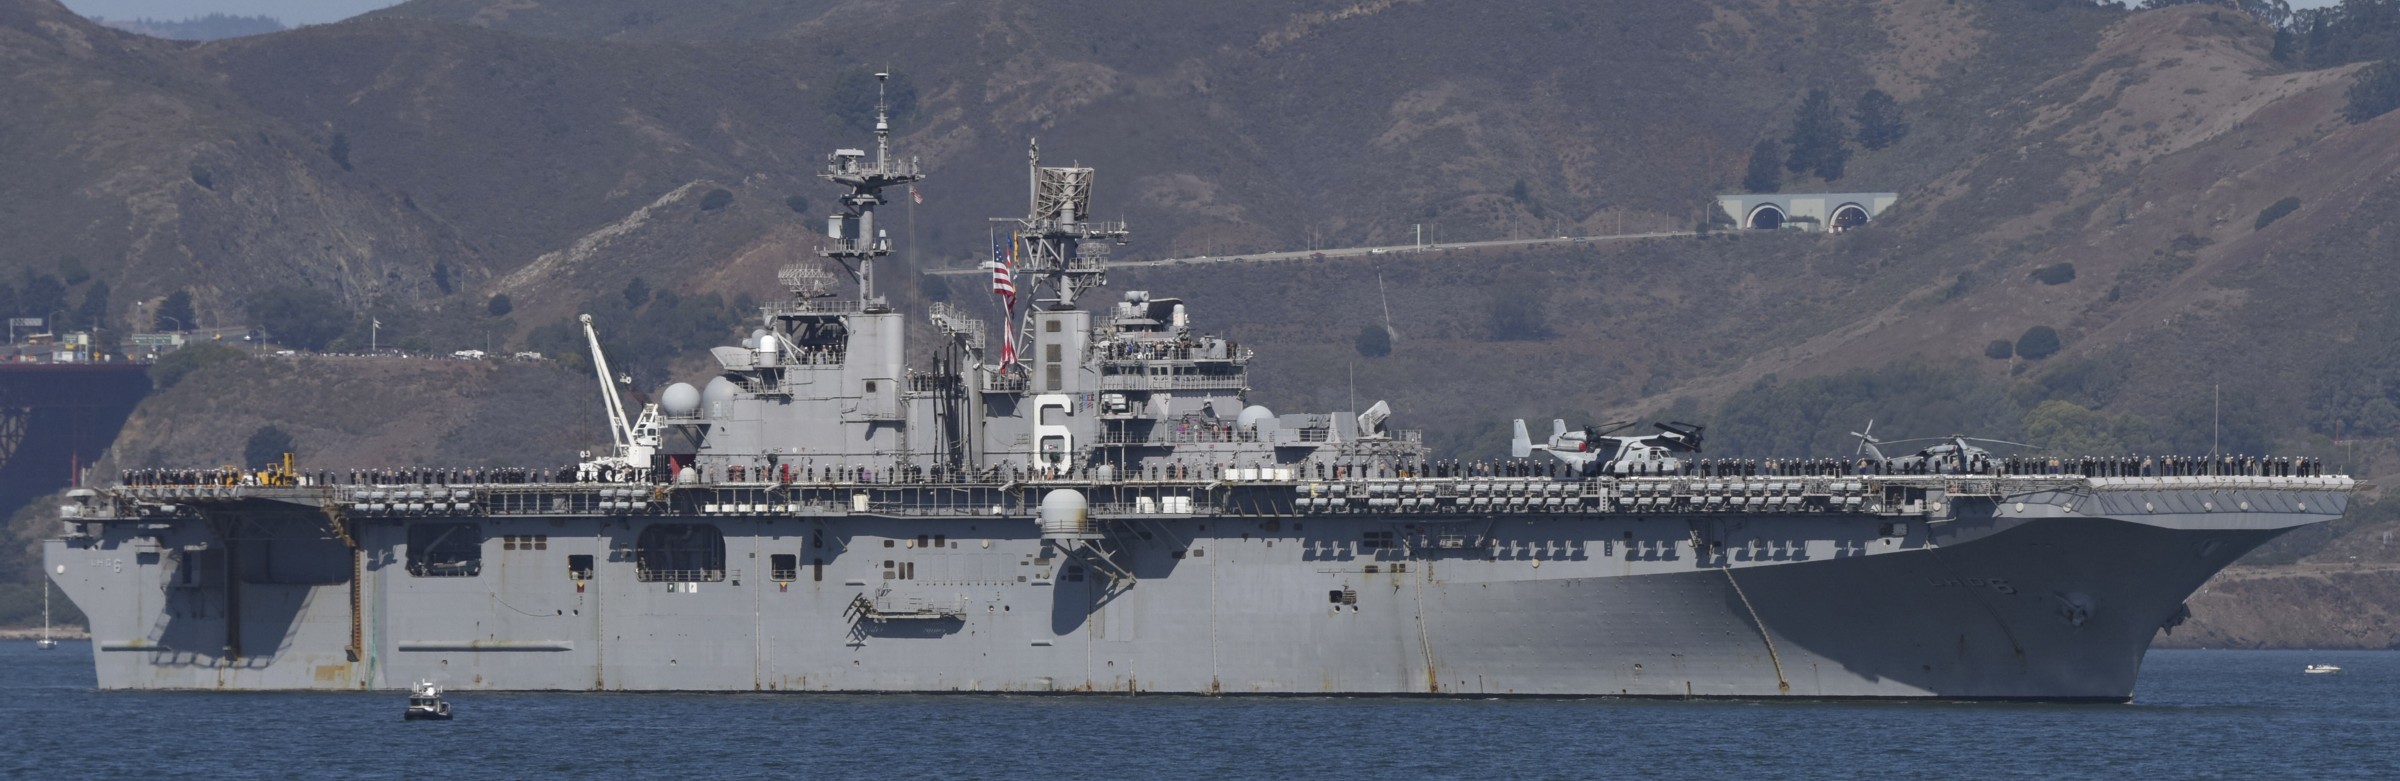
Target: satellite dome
{"type": "Point", "coordinates": [1252, 415]}
{"type": "Point", "coordinates": [749, 343]}
{"type": "Point", "coordinates": [717, 396]}
{"type": "Point", "coordinates": [679, 400]}
{"type": "Point", "coordinates": [1065, 514]}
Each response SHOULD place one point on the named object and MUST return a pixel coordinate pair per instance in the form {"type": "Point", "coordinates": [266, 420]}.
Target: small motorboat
{"type": "Point", "coordinates": [426, 703]}
{"type": "Point", "coordinates": [2320, 669]}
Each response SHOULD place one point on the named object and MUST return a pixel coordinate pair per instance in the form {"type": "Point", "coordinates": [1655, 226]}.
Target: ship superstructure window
{"type": "Point", "coordinates": [445, 550]}
{"type": "Point", "coordinates": [786, 566]}
{"type": "Point", "coordinates": [680, 553]}
{"type": "Point", "coordinates": [579, 566]}
{"type": "Point", "coordinates": [525, 542]}
{"type": "Point", "coordinates": [1375, 541]}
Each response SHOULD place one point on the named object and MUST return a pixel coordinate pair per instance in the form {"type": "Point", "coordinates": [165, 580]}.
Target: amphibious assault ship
{"type": "Point", "coordinates": [1089, 501]}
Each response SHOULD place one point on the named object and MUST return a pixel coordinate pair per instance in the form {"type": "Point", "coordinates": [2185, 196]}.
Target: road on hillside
{"type": "Point", "coordinates": [1353, 252]}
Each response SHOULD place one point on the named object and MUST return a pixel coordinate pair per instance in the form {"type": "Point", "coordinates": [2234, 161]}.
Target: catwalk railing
{"type": "Point", "coordinates": [1267, 492]}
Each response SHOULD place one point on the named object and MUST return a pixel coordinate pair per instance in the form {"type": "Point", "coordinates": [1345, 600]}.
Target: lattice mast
{"type": "Point", "coordinates": [851, 235]}
{"type": "Point", "coordinates": [1060, 254]}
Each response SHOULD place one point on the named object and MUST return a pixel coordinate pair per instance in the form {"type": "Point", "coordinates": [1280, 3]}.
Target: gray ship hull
{"type": "Point", "coordinates": [2038, 594]}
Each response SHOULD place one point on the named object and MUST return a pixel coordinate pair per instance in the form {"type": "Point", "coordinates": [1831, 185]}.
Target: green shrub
{"type": "Point", "coordinates": [500, 306]}
{"type": "Point", "coordinates": [266, 447]}
{"type": "Point", "coordinates": [1959, 287]}
{"type": "Point", "coordinates": [1374, 342]}
{"type": "Point", "coordinates": [1999, 350]}
{"type": "Point", "coordinates": [173, 367]}
{"type": "Point", "coordinates": [2276, 211]}
{"type": "Point", "coordinates": [2058, 273]}
{"type": "Point", "coordinates": [716, 199]}
{"type": "Point", "coordinates": [2039, 342]}
{"type": "Point", "coordinates": [175, 313]}
{"type": "Point", "coordinates": [300, 317]}
{"type": "Point", "coordinates": [2376, 92]}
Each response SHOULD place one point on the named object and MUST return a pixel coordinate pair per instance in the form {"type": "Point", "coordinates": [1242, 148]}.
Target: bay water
{"type": "Point", "coordinates": [2195, 715]}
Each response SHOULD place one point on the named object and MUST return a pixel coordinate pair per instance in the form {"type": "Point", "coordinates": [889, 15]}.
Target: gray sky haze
{"type": "Point", "coordinates": [293, 13]}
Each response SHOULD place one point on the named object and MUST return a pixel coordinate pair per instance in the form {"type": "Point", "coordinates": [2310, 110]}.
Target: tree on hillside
{"type": "Point", "coordinates": [300, 317]}
{"type": "Point", "coordinates": [1766, 167]}
{"type": "Point", "coordinates": [1818, 141]}
{"type": "Point", "coordinates": [1879, 121]}
{"type": "Point", "coordinates": [71, 268]}
{"type": "Point", "coordinates": [1373, 341]}
{"type": "Point", "coordinates": [2067, 428]}
{"type": "Point", "coordinates": [175, 313]}
{"type": "Point", "coordinates": [94, 312]}
{"type": "Point", "coordinates": [499, 306]}
{"type": "Point", "coordinates": [266, 447]}
{"type": "Point", "coordinates": [39, 295]}
{"type": "Point", "coordinates": [339, 150]}
{"type": "Point", "coordinates": [637, 292]}
{"type": "Point", "coordinates": [2039, 342]}
{"type": "Point", "coordinates": [1520, 315]}
{"type": "Point", "coordinates": [2376, 92]}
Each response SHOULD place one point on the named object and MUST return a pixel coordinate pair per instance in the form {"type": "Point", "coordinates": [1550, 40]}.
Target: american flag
{"type": "Point", "coordinates": [1004, 278]}
{"type": "Point", "coordinates": [1004, 283]}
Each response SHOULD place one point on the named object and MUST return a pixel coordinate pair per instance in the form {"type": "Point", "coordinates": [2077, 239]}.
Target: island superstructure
{"type": "Point", "coordinates": [1110, 511]}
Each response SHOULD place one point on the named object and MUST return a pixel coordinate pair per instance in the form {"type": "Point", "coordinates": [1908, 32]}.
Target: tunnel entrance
{"type": "Point", "coordinates": [1849, 215]}
{"type": "Point", "coordinates": [1765, 217]}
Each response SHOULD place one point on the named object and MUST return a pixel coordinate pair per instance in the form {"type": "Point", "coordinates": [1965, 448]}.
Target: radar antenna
{"type": "Point", "coordinates": [1061, 249]}
{"type": "Point", "coordinates": [1061, 252]}
{"type": "Point", "coordinates": [851, 237]}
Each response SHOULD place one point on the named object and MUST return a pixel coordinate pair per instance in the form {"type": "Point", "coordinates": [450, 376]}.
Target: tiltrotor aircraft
{"type": "Point", "coordinates": [1621, 455]}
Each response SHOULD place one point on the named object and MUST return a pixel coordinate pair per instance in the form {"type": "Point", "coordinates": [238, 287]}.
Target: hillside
{"type": "Point", "coordinates": [420, 161]}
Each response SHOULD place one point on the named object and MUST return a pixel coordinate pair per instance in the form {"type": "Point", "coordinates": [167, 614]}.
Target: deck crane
{"type": "Point", "coordinates": [633, 443]}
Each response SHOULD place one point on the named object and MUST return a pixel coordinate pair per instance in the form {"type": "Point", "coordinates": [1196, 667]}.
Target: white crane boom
{"type": "Point", "coordinates": [620, 431]}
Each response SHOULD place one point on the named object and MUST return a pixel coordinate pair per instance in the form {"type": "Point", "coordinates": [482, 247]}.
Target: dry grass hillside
{"type": "Point", "coordinates": [428, 157]}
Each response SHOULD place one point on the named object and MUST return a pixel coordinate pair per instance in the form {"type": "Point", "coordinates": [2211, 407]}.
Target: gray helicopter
{"type": "Point", "coordinates": [1951, 455]}
{"type": "Point", "coordinates": [1622, 455]}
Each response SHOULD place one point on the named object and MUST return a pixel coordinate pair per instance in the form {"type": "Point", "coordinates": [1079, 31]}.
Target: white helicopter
{"type": "Point", "coordinates": [1633, 455]}
{"type": "Point", "coordinates": [1952, 455]}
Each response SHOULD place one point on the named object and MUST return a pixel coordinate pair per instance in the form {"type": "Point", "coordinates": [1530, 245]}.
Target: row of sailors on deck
{"type": "Point", "coordinates": [2167, 466]}
{"type": "Point", "coordinates": [398, 476]}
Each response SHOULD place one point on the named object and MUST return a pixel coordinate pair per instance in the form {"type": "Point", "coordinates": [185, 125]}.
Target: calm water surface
{"type": "Point", "coordinates": [2197, 715]}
